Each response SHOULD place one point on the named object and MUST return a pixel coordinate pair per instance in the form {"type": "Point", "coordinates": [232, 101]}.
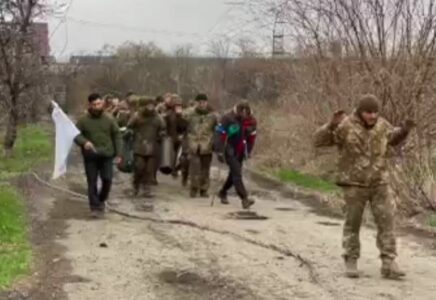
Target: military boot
{"type": "Point", "coordinates": [146, 206]}
{"type": "Point", "coordinates": [223, 198]}
{"type": "Point", "coordinates": [135, 192]}
{"type": "Point", "coordinates": [184, 181]}
{"type": "Point", "coordinates": [148, 194]}
{"type": "Point", "coordinates": [247, 203]}
{"type": "Point", "coordinates": [351, 268]}
{"type": "Point", "coordinates": [390, 269]}
{"type": "Point", "coordinates": [204, 194]}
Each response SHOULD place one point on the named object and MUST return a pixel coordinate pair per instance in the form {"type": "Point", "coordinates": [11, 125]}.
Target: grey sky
{"type": "Point", "coordinates": [94, 23]}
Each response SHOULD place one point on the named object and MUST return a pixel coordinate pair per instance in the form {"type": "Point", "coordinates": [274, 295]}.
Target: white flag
{"type": "Point", "coordinates": [66, 131]}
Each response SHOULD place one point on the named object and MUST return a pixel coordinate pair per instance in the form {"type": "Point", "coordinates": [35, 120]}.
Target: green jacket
{"type": "Point", "coordinates": [102, 132]}
{"type": "Point", "coordinates": [362, 151]}
{"type": "Point", "coordinates": [200, 131]}
{"type": "Point", "coordinates": [148, 131]}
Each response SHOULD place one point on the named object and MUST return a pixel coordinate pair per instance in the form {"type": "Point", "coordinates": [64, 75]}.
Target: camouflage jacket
{"type": "Point", "coordinates": [362, 151]}
{"type": "Point", "coordinates": [147, 132]}
{"type": "Point", "coordinates": [200, 130]}
{"type": "Point", "coordinates": [162, 109]}
{"type": "Point", "coordinates": [123, 116]}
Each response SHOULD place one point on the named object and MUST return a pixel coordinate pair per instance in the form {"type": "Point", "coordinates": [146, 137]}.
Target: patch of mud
{"type": "Point", "coordinates": [285, 209]}
{"type": "Point", "coordinates": [191, 285]}
{"type": "Point", "coordinates": [312, 200]}
{"type": "Point", "coordinates": [184, 278]}
{"type": "Point", "coordinates": [246, 215]}
{"type": "Point", "coordinates": [326, 223]}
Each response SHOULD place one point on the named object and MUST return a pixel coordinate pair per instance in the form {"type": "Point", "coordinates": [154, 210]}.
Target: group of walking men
{"type": "Point", "coordinates": [196, 132]}
{"type": "Point", "coordinates": [363, 139]}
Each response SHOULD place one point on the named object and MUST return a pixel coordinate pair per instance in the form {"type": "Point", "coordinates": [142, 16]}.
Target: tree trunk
{"type": "Point", "coordinates": [11, 128]}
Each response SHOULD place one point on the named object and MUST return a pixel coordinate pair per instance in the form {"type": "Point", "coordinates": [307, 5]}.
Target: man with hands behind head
{"type": "Point", "coordinates": [363, 139]}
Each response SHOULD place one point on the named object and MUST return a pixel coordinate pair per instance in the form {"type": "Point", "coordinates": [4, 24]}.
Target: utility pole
{"type": "Point", "coordinates": [278, 46]}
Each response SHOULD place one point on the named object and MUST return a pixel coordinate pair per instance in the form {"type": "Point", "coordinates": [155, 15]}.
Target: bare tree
{"type": "Point", "coordinates": [183, 66]}
{"type": "Point", "coordinates": [246, 48]}
{"type": "Point", "coordinates": [18, 62]}
{"type": "Point", "coordinates": [220, 50]}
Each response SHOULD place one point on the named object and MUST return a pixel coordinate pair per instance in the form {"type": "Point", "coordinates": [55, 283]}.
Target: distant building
{"type": "Point", "coordinates": [92, 59]}
{"type": "Point", "coordinates": [40, 38]}
{"type": "Point", "coordinates": [39, 35]}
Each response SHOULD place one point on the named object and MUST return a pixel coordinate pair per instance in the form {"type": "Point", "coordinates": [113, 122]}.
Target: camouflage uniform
{"type": "Point", "coordinates": [148, 129]}
{"type": "Point", "coordinates": [200, 132]}
{"type": "Point", "coordinates": [133, 102]}
{"type": "Point", "coordinates": [163, 107]}
{"type": "Point", "coordinates": [124, 114]}
{"type": "Point", "coordinates": [363, 174]}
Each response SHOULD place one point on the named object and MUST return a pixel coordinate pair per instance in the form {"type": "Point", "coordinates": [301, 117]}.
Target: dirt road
{"type": "Point", "coordinates": [190, 250]}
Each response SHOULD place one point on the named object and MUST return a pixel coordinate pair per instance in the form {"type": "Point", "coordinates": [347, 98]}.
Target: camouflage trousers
{"type": "Point", "coordinates": [143, 174]}
{"type": "Point", "coordinates": [383, 210]}
{"type": "Point", "coordinates": [199, 170]}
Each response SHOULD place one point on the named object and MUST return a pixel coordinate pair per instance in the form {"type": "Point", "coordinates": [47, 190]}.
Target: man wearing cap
{"type": "Point", "coordinates": [100, 141]}
{"type": "Point", "coordinates": [165, 104]}
{"type": "Point", "coordinates": [234, 141]}
{"type": "Point", "coordinates": [148, 130]}
{"type": "Point", "coordinates": [201, 122]}
{"type": "Point", "coordinates": [363, 139]}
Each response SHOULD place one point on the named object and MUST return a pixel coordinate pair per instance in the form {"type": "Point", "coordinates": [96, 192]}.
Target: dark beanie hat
{"type": "Point", "coordinates": [201, 97]}
{"type": "Point", "coordinates": [243, 105]}
{"type": "Point", "coordinates": [368, 103]}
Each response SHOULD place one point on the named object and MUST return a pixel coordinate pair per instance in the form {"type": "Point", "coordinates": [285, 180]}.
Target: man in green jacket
{"type": "Point", "coordinates": [100, 141]}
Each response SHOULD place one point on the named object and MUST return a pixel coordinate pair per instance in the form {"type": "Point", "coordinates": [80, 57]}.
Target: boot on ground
{"type": "Point", "coordinates": [223, 198]}
{"type": "Point", "coordinates": [184, 181]}
{"type": "Point", "coordinates": [247, 203]}
{"type": "Point", "coordinates": [351, 268]}
{"type": "Point", "coordinates": [390, 270]}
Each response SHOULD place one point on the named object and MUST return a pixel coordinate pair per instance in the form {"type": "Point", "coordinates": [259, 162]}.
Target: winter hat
{"type": "Point", "coordinates": [368, 103]}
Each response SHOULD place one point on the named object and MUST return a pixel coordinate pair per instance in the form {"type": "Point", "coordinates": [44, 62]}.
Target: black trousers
{"type": "Point", "coordinates": [235, 177]}
{"type": "Point", "coordinates": [95, 168]}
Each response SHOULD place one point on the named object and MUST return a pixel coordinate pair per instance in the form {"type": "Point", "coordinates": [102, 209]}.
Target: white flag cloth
{"type": "Point", "coordinates": [66, 131]}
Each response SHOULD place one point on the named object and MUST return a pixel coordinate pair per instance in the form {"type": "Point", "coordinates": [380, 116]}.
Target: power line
{"type": "Point", "coordinates": [223, 16]}
{"type": "Point", "coordinates": [62, 19]}
{"type": "Point", "coordinates": [133, 28]}
{"type": "Point", "coordinates": [66, 39]}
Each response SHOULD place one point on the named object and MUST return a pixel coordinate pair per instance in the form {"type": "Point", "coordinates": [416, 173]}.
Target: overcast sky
{"type": "Point", "coordinates": [90, 24]}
